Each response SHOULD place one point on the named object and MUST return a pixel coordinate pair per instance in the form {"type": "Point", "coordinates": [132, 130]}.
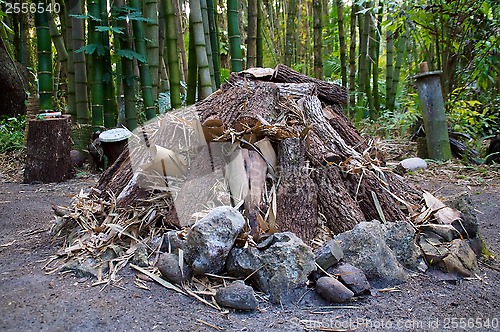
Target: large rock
{"type": "Point", "coordinates": [170, 269]}
{"type": "Point", "coordinates": [468, 225]}
{"type": "Point", "coordinates": [364, 247]}
{"type": "Point", "coordinates": [280, 269]}
{"type": "Point", "coordinates": [333, 290]}
{"type": "Point", "coordinates": [352, 277]}
{"type": "Point", "coordinates": [328, 254]}
{"type": "Point", "coordinates": [211, 238]}
{"type": "Point", "coordinates": [400, 237]}
{"type": "Point", "coordinates": [237, 296]}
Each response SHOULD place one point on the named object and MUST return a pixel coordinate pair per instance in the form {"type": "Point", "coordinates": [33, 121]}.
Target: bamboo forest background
{"type": "Point", "coordinates": [121, 62]}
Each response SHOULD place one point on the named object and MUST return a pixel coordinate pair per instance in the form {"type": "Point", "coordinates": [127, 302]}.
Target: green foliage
{"type": "Point", "coordinates": [470, 116]}
{"type": "Point", "coordinates": [224, 74]}
{"type": "Point", "coordinates": [12, 133]}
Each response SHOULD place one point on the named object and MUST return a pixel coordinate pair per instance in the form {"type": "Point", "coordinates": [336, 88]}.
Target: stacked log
{"type": "Point", "coordinates": [327, 173]}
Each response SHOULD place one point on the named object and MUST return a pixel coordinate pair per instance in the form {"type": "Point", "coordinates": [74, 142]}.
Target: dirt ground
{"type": "Point", "coordinates": [31, 300]}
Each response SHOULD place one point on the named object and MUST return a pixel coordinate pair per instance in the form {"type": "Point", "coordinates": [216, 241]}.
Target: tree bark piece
{"type": "Point", "coordinates": [256, 168]}
{"type": "Point", "coordinates": [328, 92]}
{"type": "Point", "coordinates": [297, 196]}
{"type": "Point", "coordinates": [48, 150]}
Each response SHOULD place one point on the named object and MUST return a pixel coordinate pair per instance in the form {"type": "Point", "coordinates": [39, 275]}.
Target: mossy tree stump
{"type": "Point", "coordinates": [48, 150]}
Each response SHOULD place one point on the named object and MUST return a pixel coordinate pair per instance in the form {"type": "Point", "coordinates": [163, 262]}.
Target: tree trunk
{"type": "Point", "coordinates": [97, 87]}
{"type": "Point", "coordinates": [343, 47]}
{"type": "Point", "coordinates": [352, 59]}
{"type": "Point", "coordinates": [192, 69]}
{"type": "Point", "coordinates": [364, 32]}
{"type": "Point", "coordinates": [12, 85]}
{"type": "Point", "coordinates": [260, 36]}
{"type": "Point", "coordinates": [389, 70]}
{"type": "Point", "coordinates": [290, 28]}
{"type": "Point", "coordinates": [297, 190]}
{"type": "Point", "coordinates": [48, 150]}
{"type": "Point", "coordinates": [318, 38]}
{"type": "Point", "coordinates": [208, 42]}
{"type": "Point", "coordinates": [253, 13]}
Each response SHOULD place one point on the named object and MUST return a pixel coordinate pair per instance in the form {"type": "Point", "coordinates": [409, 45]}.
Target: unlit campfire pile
{"type": "Point", "coordinates": [244, 185]}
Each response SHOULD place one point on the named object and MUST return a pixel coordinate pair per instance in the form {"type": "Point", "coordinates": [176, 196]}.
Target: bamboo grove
{"type": "Point", "coordinates": [121, 62]}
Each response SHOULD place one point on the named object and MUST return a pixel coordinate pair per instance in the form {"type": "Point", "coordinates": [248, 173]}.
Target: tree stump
{"type": "Point", "coordinates": [48, 150]}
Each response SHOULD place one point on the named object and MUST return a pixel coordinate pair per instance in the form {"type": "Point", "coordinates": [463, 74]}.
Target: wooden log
{"type": "Point", "coordinates": [48, 150]}
{"type": "Point", "coordinates": [238, 106]}
{"type": "Point", "coordinates": [293, 90]}
{"type": "Point", "coordinates": [327, 136]}
{"type": "Point", "coordinates": [367, 191]}
{"type": "Point", "coordinates": [341, 211]}
{"type": "Point", "coordinates": [345, 128]}
{"type": "Point", "coordinates": [297, 196]}
{"type": "Point", "coordinates": [330, 93]}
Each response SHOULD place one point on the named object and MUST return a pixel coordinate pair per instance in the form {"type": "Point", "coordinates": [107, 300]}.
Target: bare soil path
{"type": "Point", "coordinates": [31, 300]}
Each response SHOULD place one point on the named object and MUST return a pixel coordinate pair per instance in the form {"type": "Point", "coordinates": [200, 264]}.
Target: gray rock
{"type": "Point", "coordinates": [333, 290]}
{"type": "Point", "coordinates": [400, 237]}
{"type": "Point", "coordinates": [432, 247]}
{"type": "Point", "coordinates": [77, 158]}
{"type": "Point", "coordinates": [237, 296]}
{"type": "Point", "coordinates": [281, 269]}
{"type": "Point", "coordinates": [211, 238]}
{"type": "Point", "coordinates": [140, 256]}
{"type": "Point", "coordinates": [468, 225]}
{"type": "Point", "coordinates": [364, 247]}
{"type": "Point", "coordinates": [411, 164]}
{"type": "Point", "coordinates": [172, 242]}
{"type": "Point", "coordinates": [352, 277]}
{"type": "Point", "coordinates": [86, 268]}
{"type": "Point", "coordinates": [461, 258]}
{"type": "Point", "coordinates": [447, 232]}
{"type": "Point", "coordinates": [329, 254]}
{"type": "Point", "coordinates": [168, 264]}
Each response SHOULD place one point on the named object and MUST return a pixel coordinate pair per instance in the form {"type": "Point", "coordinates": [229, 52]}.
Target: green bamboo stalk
{"type": "Point", "coordinates": [401, 50]}
{"type": "Point", "coordinates": [129, 79]}
{"type": "Point", "coordinates": [234, 36]}
{"type": "Point", "coordinates": [152, 42]}
{"type": "Point", "coordinates": [260, 37]}
{"type": "Point", "coordinates": [253, 13]}
{"type": "Point", "coordinates": [192, 68]}
{"type": "Point", "coordinates": [208, 42]}
{"type": "Point", "coordinates": [201, 51]}
{"type": "Point", "coordinates": [145, 73]}
{"type": "Point", "coordinates": [97, 88]}
{"type": "Point", "coordinates": [71, 106]}
{"type": "Point", "coordinates": [318, 38]}
{"type": "Point", "coordinates": [364, 32]}
{"type": "Point", "coordinates": [343, 46]}
{"type": "Point", "coordinates": [78, 41]}
{"type": "Point", "coordinates": [290, 28]}
{"type": "Point", "coordinates": [110, 102]}
{"type": "Point", "coordinates": [376, 69]}
{"type": "Point", "coordinates": [352, 58]}
{"type": "Point", "coordinates": [214, 40]}
{"type": "Point", "coordinates": [389, 70]}
{"type": "Point", "coordinates": [171, 53]}
{"type": "Point", "coordinates": [44, 51]}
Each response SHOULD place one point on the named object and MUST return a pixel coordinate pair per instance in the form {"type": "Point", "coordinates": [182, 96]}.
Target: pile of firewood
{"type": "Point", "coordinates": [286, 154]}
